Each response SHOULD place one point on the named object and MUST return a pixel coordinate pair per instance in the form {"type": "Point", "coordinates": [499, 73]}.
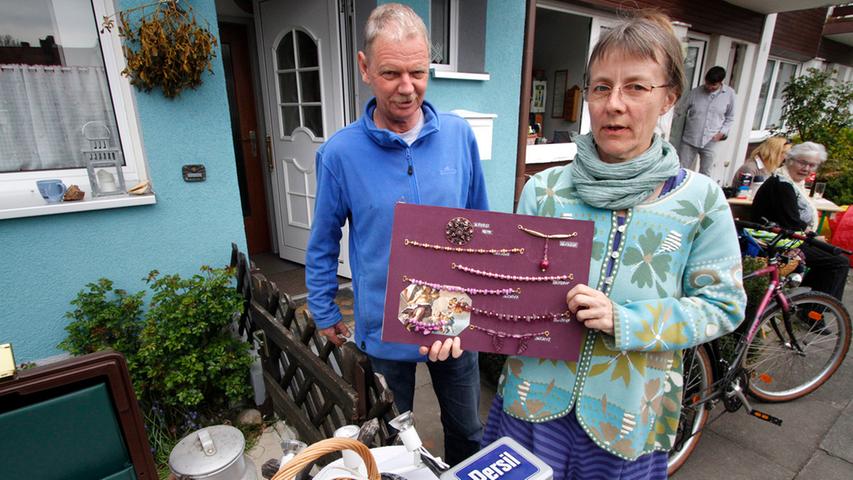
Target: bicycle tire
{"type": "Point", "coordinates": [778, 372]}
{"type": "Point", "coordinates": [698, 380]}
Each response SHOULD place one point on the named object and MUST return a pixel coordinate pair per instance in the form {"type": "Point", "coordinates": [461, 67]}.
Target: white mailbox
{"type": "Point", "coordinates": [482, 124]}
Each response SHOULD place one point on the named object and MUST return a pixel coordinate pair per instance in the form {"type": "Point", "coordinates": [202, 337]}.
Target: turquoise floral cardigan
{"type": "Point", "coordinates": [675, 282]}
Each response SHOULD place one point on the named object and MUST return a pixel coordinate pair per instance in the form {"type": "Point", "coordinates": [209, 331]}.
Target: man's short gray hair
{"type": "Point", "coordinates": [394, 21]}
{"type": "Point", "coordinates": [807, 150]}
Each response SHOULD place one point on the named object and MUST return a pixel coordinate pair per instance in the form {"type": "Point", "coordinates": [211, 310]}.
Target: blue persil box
{"type": "Point", "coordinates": [503, 459]}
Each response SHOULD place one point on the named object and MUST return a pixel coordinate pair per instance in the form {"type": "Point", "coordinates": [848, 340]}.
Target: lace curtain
{"type": "Point", "coordinates": [42, 112]}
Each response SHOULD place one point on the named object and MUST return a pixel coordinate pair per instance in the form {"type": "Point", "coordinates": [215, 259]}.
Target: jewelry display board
{"type": "Point", "coordinates": [496, 280]}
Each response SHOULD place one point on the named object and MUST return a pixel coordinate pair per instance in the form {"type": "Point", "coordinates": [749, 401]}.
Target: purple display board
{"type": "Point", "coordinates": [496, 280]}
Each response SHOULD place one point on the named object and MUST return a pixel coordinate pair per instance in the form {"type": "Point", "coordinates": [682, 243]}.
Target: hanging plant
{"type": "Point", "coordinates": [165, 47]}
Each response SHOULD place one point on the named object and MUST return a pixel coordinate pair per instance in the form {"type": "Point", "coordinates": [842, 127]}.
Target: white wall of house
{"type": "Point", "coordinates": [751, 93]}
{"type": "Point", "coordinates": [719, 51]}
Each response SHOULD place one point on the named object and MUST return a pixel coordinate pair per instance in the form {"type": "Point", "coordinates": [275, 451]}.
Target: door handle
{"type": "Point", "coordinates": [253, 142]}
{"type": "Point", "coordinates": [270, 163]}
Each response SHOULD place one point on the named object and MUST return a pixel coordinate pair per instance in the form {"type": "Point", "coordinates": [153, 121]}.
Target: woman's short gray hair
{"type": "Point", "coordinates": [394, 21]}
{"type": "Point", "coordinates": [807, 150]}
{"type": "Point", "coordinates": [647, 35]}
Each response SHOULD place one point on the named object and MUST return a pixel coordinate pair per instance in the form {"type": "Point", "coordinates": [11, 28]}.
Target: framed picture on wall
{"type": "Point", "coordinates": [560, 77]}
{"type": "Point", "coordinates": [537, 100]}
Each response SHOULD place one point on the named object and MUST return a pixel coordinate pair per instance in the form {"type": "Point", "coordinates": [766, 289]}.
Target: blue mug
{"type": "Point", "coordinates": [51, 190]}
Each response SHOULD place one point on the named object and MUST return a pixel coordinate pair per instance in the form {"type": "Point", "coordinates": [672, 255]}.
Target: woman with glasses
{"type": "Point", "coordinates": [664, 275]}
{"type": "Point", "coordinates": [783, 199]}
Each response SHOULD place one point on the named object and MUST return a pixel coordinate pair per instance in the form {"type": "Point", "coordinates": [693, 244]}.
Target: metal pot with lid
{"type": "Point", "coordinates": [212, 453]}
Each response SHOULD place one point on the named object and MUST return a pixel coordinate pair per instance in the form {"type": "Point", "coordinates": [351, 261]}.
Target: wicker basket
{"type": "Point", "coordinates": [784, 270]}
{"type": "Point", "coordinates": [323, 447]}
{"type": "Point", "coordinates": [789, 267]}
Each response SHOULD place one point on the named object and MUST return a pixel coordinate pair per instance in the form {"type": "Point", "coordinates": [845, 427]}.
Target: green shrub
{"type": "Point", "coordinates": [816, 105]}
{"type": "Point", "coordinates": [755, 289]}
{"type": "Point", "coordinates": [188, 356]}
{"type": "Point", "coordinates": [186, 366]}
{"type": "Point", "coordinates": [839, 186]}
{"type": "Point", "coordinates": [104, 317]}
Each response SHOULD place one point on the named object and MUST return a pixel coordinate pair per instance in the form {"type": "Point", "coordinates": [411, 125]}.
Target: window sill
{"type": "Point", "coordinates": [460, 75]}
{"type": "Point", "coordinates": [30, 204]}
{"type": "Point", "coordinates": [550, 153]}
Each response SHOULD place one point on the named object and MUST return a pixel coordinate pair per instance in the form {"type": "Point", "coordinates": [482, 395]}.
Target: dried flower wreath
{"type": "Point", "coordinates": [165, 47]}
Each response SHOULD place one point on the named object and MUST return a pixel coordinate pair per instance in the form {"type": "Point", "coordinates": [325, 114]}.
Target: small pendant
{"type": "Point", "coordinates": [544, 264]}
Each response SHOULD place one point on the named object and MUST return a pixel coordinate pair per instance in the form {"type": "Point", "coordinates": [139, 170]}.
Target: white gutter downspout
{"type": "Point", "coordinates": [755, 89]}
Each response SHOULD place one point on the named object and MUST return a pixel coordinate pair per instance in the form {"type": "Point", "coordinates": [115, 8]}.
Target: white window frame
{"type": "Point", "coordinates": [765, 110]}
{"type": "Point", "coordinates": [453, 34]}
{"type": "Point", "coordinates": [14, 185]}
{"type": "Point", "coordinates": [700, 41]}
{"type": "Point", "coordinates": [598, 24]}
{"type": "Point", "coordinates": [450, 70]}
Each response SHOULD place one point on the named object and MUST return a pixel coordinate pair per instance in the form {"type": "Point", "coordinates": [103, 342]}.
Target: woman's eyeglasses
{"type": "Point", "coordinates": [630, 92]}
{"type": "Point", "coordinates": [807, 165]}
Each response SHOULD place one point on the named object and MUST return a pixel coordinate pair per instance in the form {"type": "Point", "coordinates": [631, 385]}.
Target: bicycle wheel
{"type": "Point", "coordinates": [780, 372]}
{"type": "Point", "coordinates": [698, 379]}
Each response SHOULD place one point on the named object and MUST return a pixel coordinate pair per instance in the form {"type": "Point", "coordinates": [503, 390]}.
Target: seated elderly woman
{"type": "Point", "coordinates": [766, 158]}
{"type": "Point", "coordinates": [783, 199]}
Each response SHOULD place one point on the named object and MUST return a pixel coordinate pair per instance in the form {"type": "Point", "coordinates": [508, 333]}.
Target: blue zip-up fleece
{"type": "Point", "coordinates": [362, 172]}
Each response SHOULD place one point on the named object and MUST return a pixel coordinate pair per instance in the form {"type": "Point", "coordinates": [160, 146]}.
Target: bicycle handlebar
{"type": "Point", "coordinates": [806, 238]}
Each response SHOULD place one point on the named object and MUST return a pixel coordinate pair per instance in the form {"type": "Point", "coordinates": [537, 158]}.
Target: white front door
{"type": "Point", "coordinates": [303, 92]}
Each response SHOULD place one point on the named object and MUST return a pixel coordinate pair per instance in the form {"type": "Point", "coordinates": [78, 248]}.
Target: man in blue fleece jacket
{"type": "Point", "coordinates": [400, 150]}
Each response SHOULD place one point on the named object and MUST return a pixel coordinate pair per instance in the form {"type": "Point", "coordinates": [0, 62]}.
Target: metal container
{"type": "Point", "coordinates": [212, 453]}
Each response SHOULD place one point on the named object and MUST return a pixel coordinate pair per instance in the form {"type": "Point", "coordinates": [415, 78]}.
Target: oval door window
{"type": "Point", "coordinates": [298, 77]}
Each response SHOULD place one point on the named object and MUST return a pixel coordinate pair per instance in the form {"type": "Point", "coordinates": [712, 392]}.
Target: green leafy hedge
{"type": "Point", "coordinates": [186, 366]}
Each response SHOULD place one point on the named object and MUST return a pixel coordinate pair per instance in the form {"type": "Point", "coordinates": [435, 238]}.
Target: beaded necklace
{"type": "Point", "coordinates": [456, 288]}
{"type": "Point", "coordinates": [444, 248]}
{"type": "Point", "coordinates": [498, 337]}
{"type": "Point", "coordinates": [514, 278]}
{"type": "Point", "coordinates": [420, 326]}
{"type": "Point", "coordinates": [552, 317]}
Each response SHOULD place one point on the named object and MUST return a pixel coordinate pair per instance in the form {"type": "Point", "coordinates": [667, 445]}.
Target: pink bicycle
{"type": "Point", "coordinates": [794, 343]}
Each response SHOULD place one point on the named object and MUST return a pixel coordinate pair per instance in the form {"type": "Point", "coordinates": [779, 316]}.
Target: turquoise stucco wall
{"type": "Point", "coordinates": [499, 95]}
{"type": "Point", "coordinates": [46, 260]}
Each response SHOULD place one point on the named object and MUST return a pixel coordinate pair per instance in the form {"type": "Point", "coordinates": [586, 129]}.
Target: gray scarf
{"type": "Point", "coordinates": [617, 186]}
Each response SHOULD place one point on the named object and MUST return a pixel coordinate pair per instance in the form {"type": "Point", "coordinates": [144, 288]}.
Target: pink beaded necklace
{"type": "Point", "coordinates": [456, 288]}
